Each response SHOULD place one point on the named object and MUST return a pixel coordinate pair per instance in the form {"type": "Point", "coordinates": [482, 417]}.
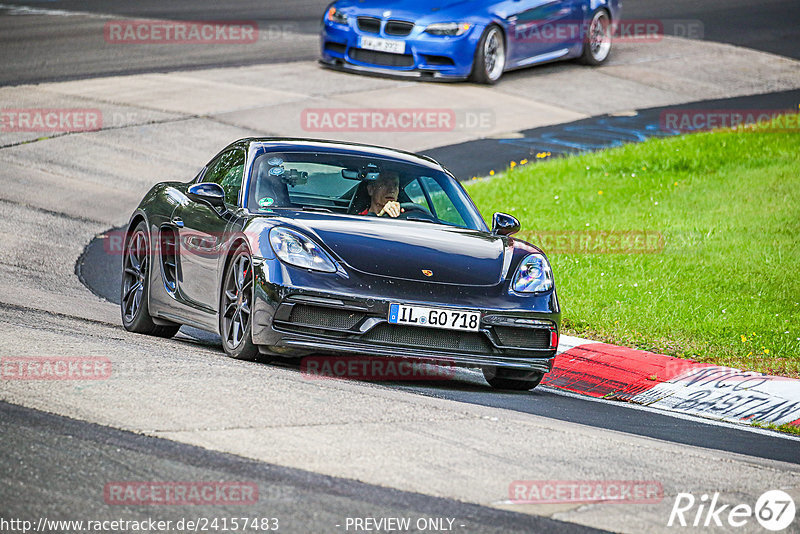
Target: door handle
{"type": "Point", "coordinates": [177, 221]}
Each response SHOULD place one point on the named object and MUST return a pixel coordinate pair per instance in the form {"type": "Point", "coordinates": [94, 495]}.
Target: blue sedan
{"type": "Point", "coordinates": [468, 39]}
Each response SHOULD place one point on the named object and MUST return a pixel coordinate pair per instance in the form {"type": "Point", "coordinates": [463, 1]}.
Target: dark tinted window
{"type": "Point", "coordinates": [227, 170]}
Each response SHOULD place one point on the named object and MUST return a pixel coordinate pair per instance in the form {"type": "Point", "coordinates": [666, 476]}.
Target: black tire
{"type": "Point", "coordinates": [235, 310]}
{"type": "Point", "coordinates": [597, 39]}
{"type": "Point", "coordinates": [484, 68]}
{"type": "Point", "coordinates": [512, 379]}
{"type": "Point", "coordinates": [135, 287]}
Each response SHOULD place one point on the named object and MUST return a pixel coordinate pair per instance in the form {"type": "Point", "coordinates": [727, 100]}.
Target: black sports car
{"type": "Point", "coordinates": [276, 245]}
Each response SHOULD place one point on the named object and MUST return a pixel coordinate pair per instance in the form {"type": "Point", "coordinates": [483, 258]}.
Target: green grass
{"type": "Point", "coordinates": [788, 429]}
{"type": "Point", "coordinates": [724, 289]}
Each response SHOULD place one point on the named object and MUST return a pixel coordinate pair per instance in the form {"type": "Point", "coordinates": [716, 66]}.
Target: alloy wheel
{"type": "Point", "coordinates": [494, 54]}
{"type": "Point", "coordinates": [600, 36]}
{"type": "Point", "coordinates": [236, 299]}
{"type": "Point", "coordinates": [134, 275]}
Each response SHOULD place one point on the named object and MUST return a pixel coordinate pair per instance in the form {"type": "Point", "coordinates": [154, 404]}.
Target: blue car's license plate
{"type": "Point", "coordinates": [434, 317]}
{"type": "Point", "coordinates": [383, 45]}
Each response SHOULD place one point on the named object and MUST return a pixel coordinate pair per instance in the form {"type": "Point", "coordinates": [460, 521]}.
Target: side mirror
{"type": "Point", "coordinates": [207, 192]}
{"type": "Point", "coordinates": [504, 224]}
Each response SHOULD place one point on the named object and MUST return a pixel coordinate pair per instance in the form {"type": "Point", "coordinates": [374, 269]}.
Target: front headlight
{"type": "Point", "coordinates": [533, 275]}
{"type": "Point", "coordinates": [336, 16]}
{"type": "Point", "coordinates": [448, 28]}
{"type": "Point", "coordinates": [296, 249]}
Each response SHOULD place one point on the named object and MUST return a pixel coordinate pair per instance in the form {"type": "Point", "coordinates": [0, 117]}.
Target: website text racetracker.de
{"type": "Point", "coordinates": [395, 119]}
{"type": "Point", "coordinates": [198, 524]}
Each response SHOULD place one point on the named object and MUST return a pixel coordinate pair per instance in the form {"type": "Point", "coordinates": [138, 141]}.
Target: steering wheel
{"type": "Point", "coordinates": [415, 211]}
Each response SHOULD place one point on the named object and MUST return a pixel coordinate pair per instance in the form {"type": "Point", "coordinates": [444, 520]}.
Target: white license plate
{"type": "Point", "coordinates": [383, 45]}
{"type": "Point", "coordinates": [434, 317]}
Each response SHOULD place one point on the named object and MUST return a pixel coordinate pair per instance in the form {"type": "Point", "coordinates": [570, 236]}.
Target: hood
{"type": "Point", "coordinates": [413, 10]}
{"type": "Point", "coordinates": [404, 249]}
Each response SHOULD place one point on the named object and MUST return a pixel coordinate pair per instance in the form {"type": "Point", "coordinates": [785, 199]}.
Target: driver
{"type": "Point", "coordinates": [383, 195]}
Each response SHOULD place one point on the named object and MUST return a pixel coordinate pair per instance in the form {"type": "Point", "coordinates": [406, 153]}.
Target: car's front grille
{"type": "Point", "coordinates": [369, 24]}
{"type": "Point", "coordinates": [319, 316]}
{"type": "Point", "coordinates": [527, 338]}
{"type": "Point", "coordinates": [346, 326]}
{"type": "Point", "coordinates": [398, 27]}
{"type": "Point", "coordinates": [429, 338]}
{"type": "Point", "coordinates": [384, 59]}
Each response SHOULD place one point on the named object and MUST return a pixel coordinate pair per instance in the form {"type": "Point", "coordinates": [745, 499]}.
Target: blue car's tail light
{"type": "Point", "coordinates": [448, 28]}
{"type": "Point", "coordinates": [533, 275]}
{"type": "Point", "coordinates": [296, 249]}
{"type": "Point", "coordinates": [336, 16]}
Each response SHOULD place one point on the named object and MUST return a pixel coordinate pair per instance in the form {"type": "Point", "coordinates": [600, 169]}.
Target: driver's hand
{"type": "Point", "coordinates": [392, 209]}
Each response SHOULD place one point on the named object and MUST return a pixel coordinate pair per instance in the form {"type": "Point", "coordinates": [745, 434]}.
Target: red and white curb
{"type": "Point", "coordinates": [673, 384]}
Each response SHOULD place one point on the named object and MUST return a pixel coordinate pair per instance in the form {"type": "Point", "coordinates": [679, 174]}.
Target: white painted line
{"type": "Point", "coordinates": [16, 10]}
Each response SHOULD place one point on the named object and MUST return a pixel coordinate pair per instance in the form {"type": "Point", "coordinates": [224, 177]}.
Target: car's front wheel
{"type": "Point", "coordinates": [236, 300]}
{"type": "Point", "coordinates": [135, 287]}
{"type": "Point", "coordinates": [490, 56]}
{"type": "Point", "coordinates": [512, 379]}
{"type": "Point", "coordinates": [597, 41]}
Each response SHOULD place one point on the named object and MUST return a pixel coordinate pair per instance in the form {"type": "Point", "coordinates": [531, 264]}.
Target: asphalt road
{"type": "Point", "coordinates": [64, 465]}
{"type": "Point", "coordinates": [100, 272]}
{"type": "Point", "coordinates": [768, 25]}
{"type": "Point", "coordinates": [65, 40]}
{"type": "Point", "coordinates": [58, 40]}
{"type": "Point", "coordinates": [478, 157]}
{"type": "Point", "coordinates": [53, 463]}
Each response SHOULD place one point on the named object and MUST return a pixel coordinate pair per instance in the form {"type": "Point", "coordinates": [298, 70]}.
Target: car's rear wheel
{"type": "Point", "coordinates": [135, 287]}
{"type": "Point", "coordinates": [597, 41]}
{"type": "Point", "coordinates": [490, 56]}
{"type": "Point", "coordinates": [235, 313]}
{"type": "Point", "coordinates": [512, 379]}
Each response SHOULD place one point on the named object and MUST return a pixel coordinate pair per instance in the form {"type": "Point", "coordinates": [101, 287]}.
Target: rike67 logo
{"type": "Point", "coordinates": [774, 510]}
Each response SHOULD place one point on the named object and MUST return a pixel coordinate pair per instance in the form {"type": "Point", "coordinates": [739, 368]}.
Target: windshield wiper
{"type": "Point", "coordinates": [316, 208]}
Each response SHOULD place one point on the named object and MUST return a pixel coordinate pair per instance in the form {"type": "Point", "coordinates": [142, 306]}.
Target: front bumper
{"type": "Point", "coordinates": [298, 313]}
{"type": "Point", "coordinates": [426, 56]}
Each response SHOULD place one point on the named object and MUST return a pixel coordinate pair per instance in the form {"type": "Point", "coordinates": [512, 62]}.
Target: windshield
{"type": "Point", "coordinates": [339, 183]}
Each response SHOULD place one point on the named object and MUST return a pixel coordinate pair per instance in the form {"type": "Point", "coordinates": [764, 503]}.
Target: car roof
{"type": "Point", "coordinates": [338, 147]}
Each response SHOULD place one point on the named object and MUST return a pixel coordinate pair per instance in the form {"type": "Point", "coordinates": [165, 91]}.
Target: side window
{"type": "Point", "coordinates": [228, 171]}
{"type": "Point", "coordinates": [443, 206]}
{"type": "Point", "coordinates": [415, 194]}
